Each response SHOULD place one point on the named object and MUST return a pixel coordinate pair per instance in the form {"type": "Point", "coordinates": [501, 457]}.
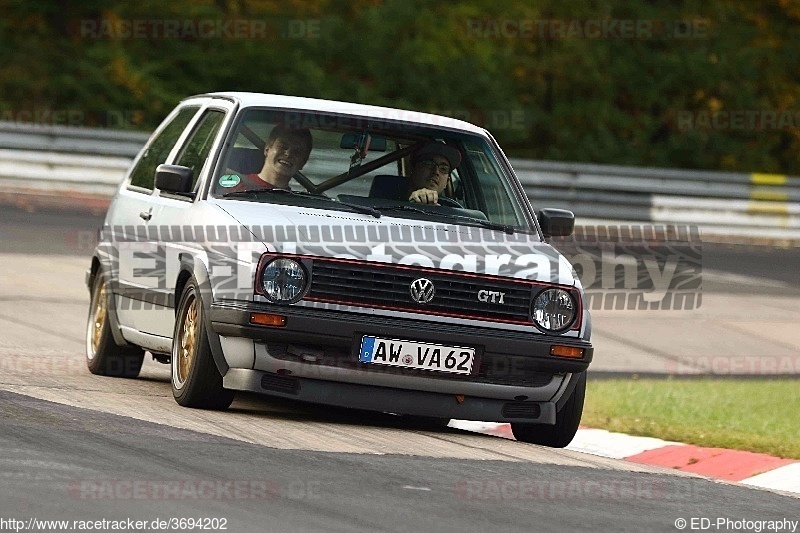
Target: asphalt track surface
{"type": "Point", "coordinates": [67, 463]}
{"type": "Point", "coordinates": [74, 446]}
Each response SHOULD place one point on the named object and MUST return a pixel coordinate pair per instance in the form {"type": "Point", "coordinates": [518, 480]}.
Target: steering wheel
{"type": "Point", "coordinates": [449, 202]}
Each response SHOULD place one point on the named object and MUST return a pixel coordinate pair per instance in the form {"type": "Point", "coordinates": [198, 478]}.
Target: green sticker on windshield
{"type": "Point", "coordinates": [229, 180]}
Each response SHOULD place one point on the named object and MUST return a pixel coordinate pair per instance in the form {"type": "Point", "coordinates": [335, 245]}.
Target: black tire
{"type": "Point", "coordinates": [196, 381]}
{"type": "Point", "coordinates": [103, 356]}
{"type": "Point", "coordinates": [567, 422]}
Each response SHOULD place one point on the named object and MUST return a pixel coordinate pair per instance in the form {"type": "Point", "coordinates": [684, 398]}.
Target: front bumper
{"type": "Point", "coordinates": [404, 402]}
{"type": "Point", "coordinates": [342, 331]}
{"type": "Point", "coordinates": [322, 346]}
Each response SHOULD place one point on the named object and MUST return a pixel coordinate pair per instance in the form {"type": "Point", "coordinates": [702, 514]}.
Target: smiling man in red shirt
{"type": "Point", "coordinates": [285, 152]}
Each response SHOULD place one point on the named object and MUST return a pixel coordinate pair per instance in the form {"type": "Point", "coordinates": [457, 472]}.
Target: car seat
{"type": "Point", "coordinates": [389, 187]}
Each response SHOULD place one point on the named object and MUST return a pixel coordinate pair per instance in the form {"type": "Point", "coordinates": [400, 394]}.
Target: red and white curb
{"type": "Point", "coordinates": [749, 468]}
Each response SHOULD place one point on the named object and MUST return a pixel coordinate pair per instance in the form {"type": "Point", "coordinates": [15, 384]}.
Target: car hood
{"type": "Point", "coordinates": [341, 234]}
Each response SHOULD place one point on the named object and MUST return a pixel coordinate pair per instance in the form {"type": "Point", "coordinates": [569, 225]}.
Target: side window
{"type": "Point", "coordinates": [493, 193]}
{"type": "Point", "coordinates": [198, 146]}
{"type": "Point", "coordinates": [144, 173]}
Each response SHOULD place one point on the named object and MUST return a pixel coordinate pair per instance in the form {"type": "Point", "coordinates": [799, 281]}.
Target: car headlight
{"type": "Point", "coordinates": [283, 280]}
{"type": "Point", "coordinates": [553, 310]}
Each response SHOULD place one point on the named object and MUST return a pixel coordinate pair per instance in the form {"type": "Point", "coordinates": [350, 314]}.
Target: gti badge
{"type": "Point", "coordinates": [422, 290]}
{"type": "Point", "coordinates": [494, 297]}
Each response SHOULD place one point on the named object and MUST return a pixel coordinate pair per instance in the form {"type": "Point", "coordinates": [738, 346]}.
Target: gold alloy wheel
{"type": "Point", "coordinates": [188, 348]}
{"type": "Point", "coordinates": [99, 319]}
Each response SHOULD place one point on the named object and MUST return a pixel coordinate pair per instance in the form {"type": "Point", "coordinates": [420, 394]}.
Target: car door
{"type": "Point", "coordinates": [183, 222]}
{"type": "Point", "coordinates": [129, 221]}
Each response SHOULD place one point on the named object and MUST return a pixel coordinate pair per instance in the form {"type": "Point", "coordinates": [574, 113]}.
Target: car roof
{"type": "Point", "coordinates": [245, 99]}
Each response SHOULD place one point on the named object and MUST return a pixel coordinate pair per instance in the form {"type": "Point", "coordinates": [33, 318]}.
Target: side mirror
{"type": "Point", "coordinates": [174, 178]}
{"type": "Point", "coordinates": [556, 222]}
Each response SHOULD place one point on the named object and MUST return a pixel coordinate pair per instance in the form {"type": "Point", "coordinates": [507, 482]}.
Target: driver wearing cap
{"type": "Point", "coordinates": [430, 171]}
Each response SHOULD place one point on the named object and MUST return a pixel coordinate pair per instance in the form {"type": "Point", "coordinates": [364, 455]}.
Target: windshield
{"type": "Point", "coordinates": [350, 163]}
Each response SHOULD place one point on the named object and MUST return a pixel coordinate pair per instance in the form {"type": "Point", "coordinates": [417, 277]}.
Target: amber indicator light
{"type": "Point", "coordinates": [265, 319]}
{"type": "Point", "coordinates": [566, 351]}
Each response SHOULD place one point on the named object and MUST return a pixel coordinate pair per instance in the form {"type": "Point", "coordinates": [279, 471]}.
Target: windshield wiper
{"type": "Point", "coordinates": [485, 223]}
{"type": "Point", "coordinates": [255, 192]}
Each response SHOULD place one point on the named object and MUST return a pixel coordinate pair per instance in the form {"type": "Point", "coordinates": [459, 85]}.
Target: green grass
{"type": "Point", "coordinates": [757, 415]}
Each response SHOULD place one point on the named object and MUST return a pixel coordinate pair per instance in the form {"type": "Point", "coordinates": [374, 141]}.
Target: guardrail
{"type": "Point", "coordinates": [57, 172]}
{"type": "Point", "coordinates": [759, 204]}
{"type": "Point", "coordinates": [55, 160]}
{"type": "Point", "coordinates": [71, 140]}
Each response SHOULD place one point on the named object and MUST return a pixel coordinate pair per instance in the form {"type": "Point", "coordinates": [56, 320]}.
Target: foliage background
{"type": "Point", "coordinates": [611, 101]}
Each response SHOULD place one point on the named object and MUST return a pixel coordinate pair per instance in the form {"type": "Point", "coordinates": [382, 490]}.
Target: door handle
{"type": "Point", "coordinates": [146, 215]}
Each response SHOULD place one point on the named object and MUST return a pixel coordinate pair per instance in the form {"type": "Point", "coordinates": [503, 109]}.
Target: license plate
{"type": "Point", "coordinates": [421, 355]}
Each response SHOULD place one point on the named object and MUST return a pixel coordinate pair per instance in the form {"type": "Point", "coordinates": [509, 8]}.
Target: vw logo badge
{"type": "Point", "coordinates": [422, 290]}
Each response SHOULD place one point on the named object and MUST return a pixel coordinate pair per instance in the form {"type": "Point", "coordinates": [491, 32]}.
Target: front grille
{"type": "Point", "coordinates": [388, 287]}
